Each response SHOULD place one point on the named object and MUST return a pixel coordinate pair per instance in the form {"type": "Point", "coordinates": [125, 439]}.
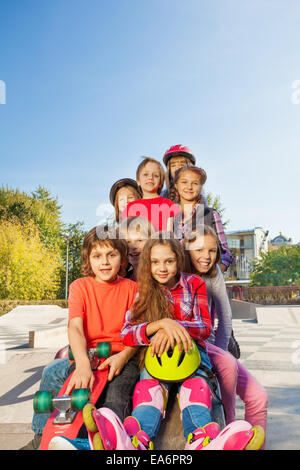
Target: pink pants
{"type": "Point", "coordinates": [234, 379]}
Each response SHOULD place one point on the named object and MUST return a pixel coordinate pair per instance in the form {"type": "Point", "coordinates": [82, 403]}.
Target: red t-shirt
{"type": "Point", "coordinates": [102, 308]}
{"type": "Point", "coordinates": [156, 210]}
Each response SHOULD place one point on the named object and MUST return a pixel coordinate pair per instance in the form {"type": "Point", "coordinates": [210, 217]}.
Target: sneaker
{"type": "Point", "coordinates": [233, 346]}
{"type": "Point", "coordinates": [63, 443]}
{"type": "Point", "coordinates": [34, 444]}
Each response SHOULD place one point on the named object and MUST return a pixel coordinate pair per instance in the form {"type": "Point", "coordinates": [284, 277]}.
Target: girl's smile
{"type": "Point", "coordinates": [188, 186]}
{"type": "Point", "coordinates": [163, 265]}
{"type": "Point", "coordinates": [125, 195]}
{"type": "Point", "coordinates": [203, 253]}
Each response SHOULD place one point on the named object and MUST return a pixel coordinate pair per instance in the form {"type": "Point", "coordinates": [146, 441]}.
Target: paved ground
{"type": "Point", "coordinates": [271, 351]}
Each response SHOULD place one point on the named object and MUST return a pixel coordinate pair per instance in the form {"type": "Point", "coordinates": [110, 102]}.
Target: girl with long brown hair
{"type": "Point", "coordinates": [171, 309]}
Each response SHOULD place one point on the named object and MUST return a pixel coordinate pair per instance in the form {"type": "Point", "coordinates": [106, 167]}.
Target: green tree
{"type": "Point", "coordinates": [215, 202]}
{"type": "Point", "coordinates": [277, 268]}
{"type": "Point", "coordinates": [76, 233]}
{"type": "Point", "coordinates": [39, 207]}
{"type": "Point", "coordinates": [28, 270]}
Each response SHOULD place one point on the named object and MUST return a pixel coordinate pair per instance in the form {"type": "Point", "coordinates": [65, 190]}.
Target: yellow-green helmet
{"type": "Point", "coordinates": [173, 366]}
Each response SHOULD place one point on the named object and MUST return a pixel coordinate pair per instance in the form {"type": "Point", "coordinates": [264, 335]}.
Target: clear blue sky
{"type": "Point", "coordinates": [91, 85]}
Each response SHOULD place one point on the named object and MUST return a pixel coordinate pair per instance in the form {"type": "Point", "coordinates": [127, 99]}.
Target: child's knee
{"type": "Point", "coordinates": [152, 393]}
{"type": "Point", "coordinates": [195, 391]}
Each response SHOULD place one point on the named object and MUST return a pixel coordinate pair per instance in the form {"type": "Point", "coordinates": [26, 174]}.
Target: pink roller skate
{"type": "Point", "coordinates": [238, 435]}
{"type": "Point", "coordinates": [105, 430]}
{"type": "Point", "coordinates": [139, 438]}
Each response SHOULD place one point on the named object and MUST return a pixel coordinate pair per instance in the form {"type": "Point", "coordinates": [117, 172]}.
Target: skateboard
{"type": "Point", "coordinates": [66, 416]}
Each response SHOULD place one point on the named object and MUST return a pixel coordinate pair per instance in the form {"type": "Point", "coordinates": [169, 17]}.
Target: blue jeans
{"type": "Point", "coordinates": [193, 416]}
{"type": "Point", "coordinates": [117, 394]}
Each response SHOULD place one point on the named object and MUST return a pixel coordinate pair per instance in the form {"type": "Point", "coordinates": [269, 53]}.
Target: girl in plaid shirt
{"type": "Point", "coordinates": [188, 184]}
{"type": "Point", "coordinates": [171, 307]}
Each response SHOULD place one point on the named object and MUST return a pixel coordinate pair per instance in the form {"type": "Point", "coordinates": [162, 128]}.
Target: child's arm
{"type": "Point", "coordinates": [219, 295]}
{"type": "Point", "coordinates": [83, 376]}
{"type": "Point", "coordinates": [138, 334]}
{"type": "Point", "coordinates": [197, 321]}
{"type": "Point", "coordinates": [226, 256]}
{"type": "Point", "coordinates": [117, 361]}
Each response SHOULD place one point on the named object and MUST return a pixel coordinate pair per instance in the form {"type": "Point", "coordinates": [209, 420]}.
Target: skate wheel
{"type": "Point", "coordinates": [103, 350]}
{"type": "Point", "coordinates": [42, 402]}
{"type": "Point", "coordinates": [70, 354]}
{"type": "Point", "coordinates": [97, 442]}
{"type": "Point", "coordinates": [88, 418]}
{"type": "Point", "coordinates": [151, 445]}
{"type": "Point", "coordinates": [79, 398]}
{"type": "Point", "coordinates": [257, 439]}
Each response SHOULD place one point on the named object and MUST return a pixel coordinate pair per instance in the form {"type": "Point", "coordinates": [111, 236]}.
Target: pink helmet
{"type": "Point", "coordinates": [178, 150]}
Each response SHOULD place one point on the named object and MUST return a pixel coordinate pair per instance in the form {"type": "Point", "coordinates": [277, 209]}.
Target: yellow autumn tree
{"type": "Point", "coordinates": [28, 270]}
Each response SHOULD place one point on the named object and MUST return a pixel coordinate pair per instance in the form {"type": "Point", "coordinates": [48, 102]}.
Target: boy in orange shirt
{"type": "Point", "coordinates": [97, 306]}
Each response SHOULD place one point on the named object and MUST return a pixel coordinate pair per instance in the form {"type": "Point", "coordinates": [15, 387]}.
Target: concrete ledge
{"type": "Point", "coordinates": [285, 315]}
{"type": "Point", "coordinates": [49, 338]}
{"type": "Point", "coordinates": [243, 310]}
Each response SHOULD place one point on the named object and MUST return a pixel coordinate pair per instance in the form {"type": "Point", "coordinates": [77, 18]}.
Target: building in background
{"type": "Point", "coordinates": [245, 245]}
{"type": "Point", "coordinates": [278, 241]}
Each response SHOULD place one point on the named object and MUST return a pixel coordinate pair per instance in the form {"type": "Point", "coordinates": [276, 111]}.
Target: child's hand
{"type": "Point", "coordinates": [82, 377]}
{"type": "Point", "coordinates": [177, 334]}
{"type": "Point", "coordinates": [159, 343]}
{"type": "Point", "coordinates": [116, 362]}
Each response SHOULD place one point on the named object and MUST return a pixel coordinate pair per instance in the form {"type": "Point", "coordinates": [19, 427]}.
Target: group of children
{"type": "Point", "coordinates": [157, 281]}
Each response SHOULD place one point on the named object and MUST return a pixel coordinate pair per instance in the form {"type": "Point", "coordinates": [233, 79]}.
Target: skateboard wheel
{"type": "Point", "coordinates": [257, 439]}
{"type": "Point", "coordinates": [70, 354]}
{"type": "Point", "coordinates": [88, 418]}
{"type": "Point", "coordinates": [79, 398]}
{"type": "Point", "coordinates": [97, 442]}
{"type": "Point", "coordinates": [42, 402]}
{"type": "Point", "coordinates": [103, 350]}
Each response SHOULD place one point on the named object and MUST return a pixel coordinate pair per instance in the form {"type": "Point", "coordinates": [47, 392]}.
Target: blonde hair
{"type": "Point", "coordinates": [161, 172]}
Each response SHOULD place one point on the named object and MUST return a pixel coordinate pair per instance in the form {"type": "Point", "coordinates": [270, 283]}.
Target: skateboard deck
{"type": "Point", "coordinates": [71, 429]}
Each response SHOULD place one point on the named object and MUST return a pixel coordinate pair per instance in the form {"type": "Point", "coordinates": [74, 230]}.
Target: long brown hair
{"type": "Point", "coordinates": [188, 265]}
{"type": "Point", "coordinates": [153, 302]}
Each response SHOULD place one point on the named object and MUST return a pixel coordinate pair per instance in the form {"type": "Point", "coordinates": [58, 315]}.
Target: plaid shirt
{"type": "Point", "coordinates": [226, 256]}
{"type": "Point", "coordinates": [189, 301]}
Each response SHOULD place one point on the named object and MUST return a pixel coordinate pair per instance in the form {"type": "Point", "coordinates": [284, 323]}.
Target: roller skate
{"type": "Point", "coordinates": [238, 435]}
{"type": "Point", "coordinates": [139, 438]}
{"type": "Point", "coordinates": [105, 430]}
